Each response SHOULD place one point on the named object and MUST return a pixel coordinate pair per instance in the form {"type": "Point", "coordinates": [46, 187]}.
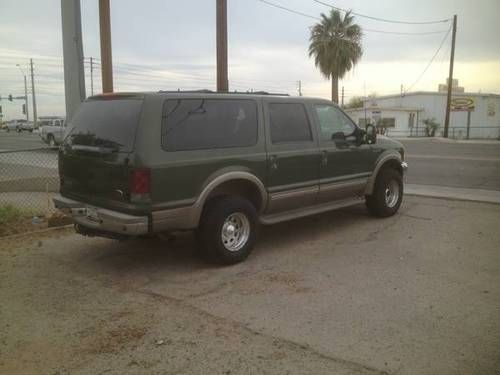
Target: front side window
{"type": "Point", "coordinates": [196, 124]}
{"type": "Point", "coordinates": [333, 121]}
{"type": "Point", "coordinates": [289, 123]}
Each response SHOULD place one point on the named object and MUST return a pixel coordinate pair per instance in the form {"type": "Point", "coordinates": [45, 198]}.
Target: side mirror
{"type": "Point", "coordinates": [371, 134]}
{"type": "Point", "coordinates": [339, 136]}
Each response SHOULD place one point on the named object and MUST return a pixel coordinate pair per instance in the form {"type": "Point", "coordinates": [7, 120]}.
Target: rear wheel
{"type": "Point", "coordinates": [51, 140]}
{"type": "Point", "coordinates": [387, 193]}
{"type": "Point", "coordinates": [228, 230]}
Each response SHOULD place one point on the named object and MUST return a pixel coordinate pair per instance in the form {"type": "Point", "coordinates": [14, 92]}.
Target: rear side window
{"type": "Point", "coordinates": [195, 124]}
{"type": "Point", "coordinates": [289, 123]}
{"type": "Point", "coordinates": [110, 123]}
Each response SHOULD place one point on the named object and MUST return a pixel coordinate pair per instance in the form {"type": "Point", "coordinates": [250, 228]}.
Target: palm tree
{"type": "Point", "coordinates": [335, 43]}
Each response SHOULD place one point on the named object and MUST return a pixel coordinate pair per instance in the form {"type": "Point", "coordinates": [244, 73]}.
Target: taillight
{"type": "Point", "coordinates": [140, 184]}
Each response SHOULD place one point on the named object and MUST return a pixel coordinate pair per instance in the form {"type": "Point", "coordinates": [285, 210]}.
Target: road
{"type": "Point", "coordinates": [465, 165]}
{"type": "Point", "coordinates": [20, 141]}
{"type": "Point", "coordinates": [338, 293]}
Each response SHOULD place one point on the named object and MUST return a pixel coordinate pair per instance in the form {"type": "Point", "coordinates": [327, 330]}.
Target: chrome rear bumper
{"type": "Point", "coordinates": [103, 220]}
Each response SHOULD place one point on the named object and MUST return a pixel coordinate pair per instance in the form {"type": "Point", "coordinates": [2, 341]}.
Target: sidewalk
{"type": "Point", "coordinates": [449, 140]}
{"type": "Point", "coordinates": [446, 192]}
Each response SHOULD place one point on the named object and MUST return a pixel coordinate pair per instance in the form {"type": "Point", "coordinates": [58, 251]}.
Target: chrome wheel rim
{"type": "Point", "coordinates": [235, 231]}
{"type": "Point", "coordinates": [392, 193]}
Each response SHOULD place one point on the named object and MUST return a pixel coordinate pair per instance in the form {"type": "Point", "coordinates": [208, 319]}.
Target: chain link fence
{"type": "Point", "coordinates": [29, 179]}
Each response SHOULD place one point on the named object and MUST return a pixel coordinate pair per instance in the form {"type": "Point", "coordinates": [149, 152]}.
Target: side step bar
{"type": "Point", "coordinates": [312, 210]}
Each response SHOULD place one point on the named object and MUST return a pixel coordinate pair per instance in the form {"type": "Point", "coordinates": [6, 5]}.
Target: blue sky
{"type": "Point", "coordinates": [171, 44]}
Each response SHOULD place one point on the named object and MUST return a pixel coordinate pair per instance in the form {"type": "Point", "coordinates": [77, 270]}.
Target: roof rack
{"type": "Point", "coordinates": [206, 91]}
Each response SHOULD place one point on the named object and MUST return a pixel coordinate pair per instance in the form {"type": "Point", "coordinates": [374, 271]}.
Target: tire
{"type": "Point", "coordinates": [387, 193]}
{"type": "Point", "coordinates": [228, 230]}
{"type": "Point", "coordinates": [51, 141]}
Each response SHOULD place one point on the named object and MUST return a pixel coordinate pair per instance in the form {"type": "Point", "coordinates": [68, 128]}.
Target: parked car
{"type": "Point", "coordinates": [51, 129]}
{"type": "Point", "coordinates": [19, 125]}
{"type": "Point", "coordinates": [219, 164]}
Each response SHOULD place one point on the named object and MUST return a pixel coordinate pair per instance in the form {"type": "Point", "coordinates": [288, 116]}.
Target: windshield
{"type": "Point", "coordinates": [105, 124]}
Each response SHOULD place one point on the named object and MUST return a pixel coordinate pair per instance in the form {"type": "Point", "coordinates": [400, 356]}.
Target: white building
{"type": "Point", "coordinates": [404, 115]}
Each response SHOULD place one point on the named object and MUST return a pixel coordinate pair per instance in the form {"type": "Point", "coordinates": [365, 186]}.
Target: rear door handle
{"type": "Point", "coordinates": [324, 158]}
{"type": "Point", "coordinates": [273, 160]}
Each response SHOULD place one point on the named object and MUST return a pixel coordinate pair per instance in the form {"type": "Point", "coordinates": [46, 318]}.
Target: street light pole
{"type": "Point", "coordinates": [25, 93]}
{"type": "Point", "coordinates": [33, 94]}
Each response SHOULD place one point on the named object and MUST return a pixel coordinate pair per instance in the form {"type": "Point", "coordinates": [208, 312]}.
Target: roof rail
{"type": "Point", "coordinates": [206, 91]}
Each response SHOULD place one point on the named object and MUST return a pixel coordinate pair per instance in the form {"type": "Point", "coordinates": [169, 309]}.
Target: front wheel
{"type": "Point", "coordinates": [228, 230]}
{"type": "Point", "coordinates": [387, 194]}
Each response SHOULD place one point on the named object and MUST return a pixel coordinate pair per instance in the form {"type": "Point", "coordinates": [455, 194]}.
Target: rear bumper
{"type": "Point", "coordinates": [107, 220]}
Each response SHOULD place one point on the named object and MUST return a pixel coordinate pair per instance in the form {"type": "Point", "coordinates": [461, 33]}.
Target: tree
{"type": "Point", "coordinates": [335, 43]}
{"type": "Point", "coordinates": [431, 125]}
{"type": "Point", "coordinates": [355, 102]}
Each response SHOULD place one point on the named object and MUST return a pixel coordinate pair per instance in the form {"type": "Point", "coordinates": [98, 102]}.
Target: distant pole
{"type": "Point", "coordinates": [402, 94]}
{"type": "Point", "coordinates": [450, 77]}
{"type": "Point", "coordinates": [300, 87]}
{"type": "Point", "coordinates": [25, 93]}
{"type": "Point", "coordinates": [468, 124]}
{"type": "Point", "coordinates": [91, 76]}
{"type": "Point", "coordinates": [35, 117]}
{"type": "Point", "coordinates": [342, 101]}
{"type": "Point", "coordinates": [221, 20]}
{"type": "Point", "coordinates": [106, 55]}
{"type": "Point", "coordinates": [26, 99]}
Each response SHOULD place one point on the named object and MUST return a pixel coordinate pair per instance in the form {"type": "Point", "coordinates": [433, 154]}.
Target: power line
{"type": "Point", "coordinates": [364, 29]}
{"type": "Point", "coordinates": [430, 62]}
{"type": "Point", "coordinates": [289, 10]}
{"type": "Point", "coordinates": [383, 19]}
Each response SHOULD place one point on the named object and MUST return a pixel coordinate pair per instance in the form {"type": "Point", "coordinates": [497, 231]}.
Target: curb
{"type": "Point", "coordinates": [451, 193]}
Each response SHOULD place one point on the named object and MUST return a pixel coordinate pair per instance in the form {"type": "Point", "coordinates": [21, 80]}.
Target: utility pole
{"type": "Point", "coordinates": [342, 101]}
{"type": "Point", "coordinates": [450, 77]}
{"type": "Point", "coordinates": [106, 55]}
{"type": "Point", "coordinates": [91, 76]}
{"type": "Point", "coordinates": [35, 117]}
{"type": "Point", "coordinates": [300, 87]}
{"type": "Point", "coordinates": [74, 71]}
{"type": "Point", "coordinates": [221, 20]}
{"type": "Point", "coordinates": [25, 93]}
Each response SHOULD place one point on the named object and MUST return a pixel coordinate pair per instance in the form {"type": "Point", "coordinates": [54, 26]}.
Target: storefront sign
{"type": "Point", "coordinates": [464, 104]}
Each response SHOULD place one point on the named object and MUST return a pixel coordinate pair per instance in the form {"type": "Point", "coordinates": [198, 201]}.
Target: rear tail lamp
{"type": "Point", "coordinates": [140, 184]}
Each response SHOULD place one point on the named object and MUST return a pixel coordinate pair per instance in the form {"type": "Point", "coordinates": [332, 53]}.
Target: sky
{"type": "Point", "coordinates": [167, 44]}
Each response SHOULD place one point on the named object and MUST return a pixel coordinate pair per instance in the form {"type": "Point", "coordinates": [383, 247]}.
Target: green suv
{"type": "Point", "coordinates": [137, 164]}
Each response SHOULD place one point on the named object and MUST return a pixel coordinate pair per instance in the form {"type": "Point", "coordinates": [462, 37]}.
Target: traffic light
{"type": "Point", "coordinates": [10, 97]}
{"type": "Point", "coordinates": [24, 109]}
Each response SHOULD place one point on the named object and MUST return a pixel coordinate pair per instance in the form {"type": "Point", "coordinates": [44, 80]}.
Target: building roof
{"type": "Point", "coordinates": [381, 108]}
{"type": "Point", "coordinates": [455, 94]}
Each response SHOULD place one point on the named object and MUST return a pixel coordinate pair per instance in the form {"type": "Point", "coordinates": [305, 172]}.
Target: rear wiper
{"type": "Point", "coordinates": [100, 150]}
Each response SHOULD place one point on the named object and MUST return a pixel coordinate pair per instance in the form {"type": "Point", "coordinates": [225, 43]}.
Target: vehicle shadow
{"type": "Point", "coordinates": [179, 252]}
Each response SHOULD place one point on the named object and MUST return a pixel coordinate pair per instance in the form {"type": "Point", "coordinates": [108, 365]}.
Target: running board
{"type": "Point", "coordinates": [311, 210]}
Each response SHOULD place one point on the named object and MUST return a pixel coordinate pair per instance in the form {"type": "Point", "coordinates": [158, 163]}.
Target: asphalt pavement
{"type": "Point", "coordinates": [468, 165]}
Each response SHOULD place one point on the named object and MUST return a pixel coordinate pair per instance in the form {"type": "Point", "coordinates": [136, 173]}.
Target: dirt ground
{"type": "Point", "coordinates": [339, 293]}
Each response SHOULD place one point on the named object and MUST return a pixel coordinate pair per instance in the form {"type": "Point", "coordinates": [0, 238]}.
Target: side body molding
{"type": "Point", "coordinates": [383, 159]}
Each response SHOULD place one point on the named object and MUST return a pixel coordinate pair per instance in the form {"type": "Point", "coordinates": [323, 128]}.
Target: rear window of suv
{"type": "Point", "coordinates": [195, 124]}
{"type": "Point", "coordinates": [108, 123]}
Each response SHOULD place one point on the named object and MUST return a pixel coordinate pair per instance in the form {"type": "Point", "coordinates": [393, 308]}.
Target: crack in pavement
{"type": "Point", "coordinates": [355, 366]}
